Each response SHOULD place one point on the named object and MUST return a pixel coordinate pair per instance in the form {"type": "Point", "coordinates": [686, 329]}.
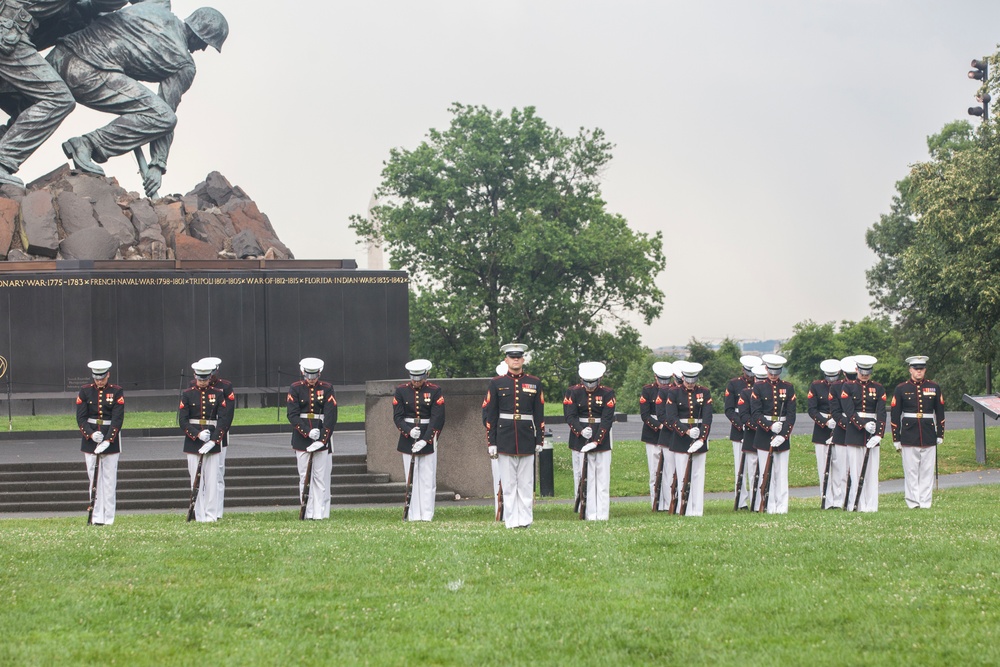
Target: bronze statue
{"type": "Point", "coordinates": [42, 98]}
{"type": "Point", "coordinates": [103, 63]}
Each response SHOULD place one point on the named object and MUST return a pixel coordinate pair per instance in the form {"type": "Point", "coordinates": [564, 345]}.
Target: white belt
{"type": "Point", "coordinates": [411, 420]}
{"type": "Point", "coordinates": [204, 422]}
{"type": "Point", "coordinates": [824, 415]}
{"type": "Point", "coordinates": [689, 420]}
{"type": "Point", "coordinates": [867, 415]}
{"type": "Point", "coordinates": [917, 415]}
{"type": "Point", "coordinates": [775, 419]}
{"type": "Point", "coordinates": [98, 422]}
{"type": "Point", "coordinates": [591, 420]}
{"type": "Point", "coordinates": [311, 415]}
{"type": "Point", "coordinates": [507, 415]}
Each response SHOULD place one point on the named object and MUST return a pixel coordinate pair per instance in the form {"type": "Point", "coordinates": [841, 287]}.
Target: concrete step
{"type": "Point", "coordinates": [165, 485]}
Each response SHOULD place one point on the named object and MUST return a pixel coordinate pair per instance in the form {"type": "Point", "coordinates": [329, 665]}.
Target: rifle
{"type": "Point", "coordinates": [140, 159]}
{"type": "Point", "coordinates": [739, 480]}
{"type": "Point", "coordinates": [847, 491]}
{"type": "Point", "coordinates": [409, 490]}
{"type": "Point", "coordinates": [658, 484]}
{"type": "Point", "coordinates": [194, 488]}
{"type": "Point", "coordinates": [686, 488]}
{"type": "Point", "coordinates": [93, 490]}
{"type": "Point", "coordinates": [582, 491]}
{"type": "Point", "coordinates": [499, 516]}
{"type": "Point", "coordinates": [765, 482]}
{"type": "Point", "coordinates": [861, 478]}
{"type": "Point", "coordinates": [673, 495]}
{"type": "Point", "coordinates": [305, 487]}
{"type": "Point", "coordinates": [826, 474]}
{"type": "Point", "coordinates": [756, 479]}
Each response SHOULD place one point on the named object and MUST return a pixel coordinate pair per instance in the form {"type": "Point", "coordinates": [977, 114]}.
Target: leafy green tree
{"type": "Point", "coordinates": [938, 269]}
{"type": "Point", "coordinates": [500, 223]}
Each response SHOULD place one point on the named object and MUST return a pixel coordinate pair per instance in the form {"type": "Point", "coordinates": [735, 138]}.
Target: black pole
{"type": "Point", "coordinates": [277, 394]}
{"type": "Point", "coordinates": [989, 377]}
{"type": "Point", "coordinates": [10, 418]}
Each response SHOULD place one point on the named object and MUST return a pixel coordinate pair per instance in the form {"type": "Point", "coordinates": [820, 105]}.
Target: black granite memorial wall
{"type": "Point", "coordinates": [153, 323]}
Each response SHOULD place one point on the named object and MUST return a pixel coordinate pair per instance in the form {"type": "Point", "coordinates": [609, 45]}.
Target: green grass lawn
{"type": "Point", "coordinates": [810, 587]}
{"type": "Point", "coordinates": [136, 420]}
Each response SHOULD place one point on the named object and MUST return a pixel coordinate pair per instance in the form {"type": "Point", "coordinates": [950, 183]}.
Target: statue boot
{"type": "Point", "coordinates": [78, 150]}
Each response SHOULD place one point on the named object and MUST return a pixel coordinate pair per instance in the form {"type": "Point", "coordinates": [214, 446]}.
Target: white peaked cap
{"type": "Point", "coordinates": [691, 369]}
{"type": "Point", "coordinates": [592, 370]}
{"type": "Point", "coordinates": [830, 366]}
{"type": "Point", "coordinates": [865, 362]}
{"type": "Point", "coordinates": [418, 366]}
{"type": "Point", "coordinates": [663, 369]}
{"type": "Point", "coordinates": [99, 366]}
{"type": "Point", "coordinates": [311, 365]}
{"type": "Point", "coordinates": [774, 361]}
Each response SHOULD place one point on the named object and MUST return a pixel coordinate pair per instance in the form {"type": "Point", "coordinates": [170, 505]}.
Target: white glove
{"type": "Point", "coordinates": [871, 427]}
{"type": "Point", "coordinates": [586, 433]}
{"type": "Point", "coordinates": [694, 432]}
{"type": "Point", "coordinates": [898, 446]}
{"type": "Point", "coordinates": [777, 441]}
{"type": "Point", "coordinates": [314, 434]}
{"type": "Point", "coordinates": [695, 446]}
{"type": "Point", "coordinates": [872, 441]}
{"type": "Point", "coordinates": [207, 447]}
{"type": "Point", "coordinates": [538, 449]}
{"type": "Point", "coordinates": [418, 445]}
{"type": "Point", "coordinates": [492, 449]}
{"type": "Point", "coordinates": [315, 446]}
{"type": "Point", "coordinates": [588, 447]}
{"type": "Point", "coordinates": [776, 427]}
{"type": "Point", "coordinates": [101, 447]}
{"type": "Point", "coordinates": [831, 423]}
{"type": "Point", "coordinates": [205, 435]}
{"type": "Point", "coordinates": [97, 437]}
{"type": "Point", "coordinates": [829, 440]}
{"type": "Point", "coordinates": [415, 432]}
{"type": "Point", "coordinates": [940, 441]}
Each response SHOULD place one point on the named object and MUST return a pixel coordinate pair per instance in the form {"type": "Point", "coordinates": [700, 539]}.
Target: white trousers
{"type": "Point", "coordinates": [107, 485]}
{"type": "Point", "coordinates": [696, 494]}
{"type": "Point", "coordinates": [318, 506]}
{"type": "Point", "coordinates": [777, 497]}
{"type": "Point", "coordinates": [424, 484]}
{"type": "Point", "coordinates": [837, 486]}
{"type": "Point", "coordinates": [869, 493]}
{"type": "Point", "coordinates": [749, 477]}
{"type": "Point", "coordinates": [598, 484]}
{"type": "Point", "coordinates": [206, 505]}
{"type": "Point", "coordinates": [222, 482]}
{"type": "Point", "coordinates": [517, 474]}
{"type": "Point", "coordinates": [918, 475]}
{"type": "Point", "coordinates": [653, 461]}
{"type": "Point", "coordinates": [669, 470]}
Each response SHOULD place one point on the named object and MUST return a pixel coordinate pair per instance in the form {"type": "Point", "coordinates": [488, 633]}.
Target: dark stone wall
{"type": "Point", "coordinates": [152, 324]}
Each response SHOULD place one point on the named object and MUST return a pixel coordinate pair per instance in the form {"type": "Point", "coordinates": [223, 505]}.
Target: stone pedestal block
{"type": "Point", "coordinates": [463, 464]}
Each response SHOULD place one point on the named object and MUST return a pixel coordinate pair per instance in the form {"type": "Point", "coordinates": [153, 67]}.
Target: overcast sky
{"type": "Point", "coordinates": [743, 129]}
